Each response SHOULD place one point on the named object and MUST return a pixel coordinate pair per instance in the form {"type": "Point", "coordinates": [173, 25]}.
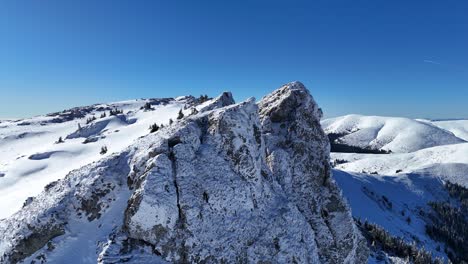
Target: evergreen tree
{"type": "Point", "coordinates": [115, 111]}
{"type": "Point", "coordinates": [90, 119]}
{"type": "Point", "coordinates": [103, 150]}
{"type": "Point", "coordinates": [379, 239]}
{"type": "Point", "coordinates": [153, 128]}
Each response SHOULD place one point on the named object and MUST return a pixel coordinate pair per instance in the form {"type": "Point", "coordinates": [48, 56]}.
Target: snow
{"type": "Point", "coordinates": [449, 162]}
{"type": "Point", "coordinates": [163, 210]}
{"type": "Point", "coordinates": [397, 134]}
{"type": "Point", "coordinates": [30, 158]}
{"type": "Point", "coordinates": [79, 245]}
{"type": "Point", "coordinates": [408, 195]}
{"type": "Point", "coordinates": [425, 154]}
{"type": "Point", "coordinates": [458, 127]}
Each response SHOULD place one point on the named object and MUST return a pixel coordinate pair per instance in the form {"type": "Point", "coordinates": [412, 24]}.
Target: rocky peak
{"type": "Point", "coordinates": [297, 154]}
{"type": "Point", "coordinates": [223, 100]}
{"type": "Point", "coordinates": [240, 182]}
{"type": "Point", "coordinates": [286, 101]}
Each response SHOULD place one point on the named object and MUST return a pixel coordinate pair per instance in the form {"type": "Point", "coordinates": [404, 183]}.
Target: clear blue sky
{"type": "Point", "coordinates": [398, 58]}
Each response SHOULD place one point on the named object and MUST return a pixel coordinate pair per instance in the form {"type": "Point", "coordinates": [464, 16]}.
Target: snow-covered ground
{"type": "Point", "coordinates": [397, 134]}
{"type": "Point", "coordinates": [30, 157]}
{"type": "Point", "coordinates": [458, 127]}
{"type": "Point", "coordinates": [393, 190]}
{"type": "Point", "coordinates": [394, 202]}
{"type": "Point", "coordinates": [448, 162]}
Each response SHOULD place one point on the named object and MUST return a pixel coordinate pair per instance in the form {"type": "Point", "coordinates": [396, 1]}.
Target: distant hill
{"type": "Point", "coordinates": [394, 134]}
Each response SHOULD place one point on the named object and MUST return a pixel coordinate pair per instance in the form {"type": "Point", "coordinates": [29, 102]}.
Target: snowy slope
{"type": "Point", "coordinates": [396, 134]}
{"type": "Point", "coordinates": [397, 203]}
{"type": "Point", "coordinates": [30, 157]}
{"type": "Point", "coordinates": [449, 162]}
{"type": "Point", "coordinates": [408, 181]}
{"type": "Point", "coordinates": [458, 127]}
{"type": "Point", "coordinates": [393, 190]}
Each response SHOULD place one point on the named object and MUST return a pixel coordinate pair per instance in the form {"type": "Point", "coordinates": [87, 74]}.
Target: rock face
{"type": "Point", "coordinates": [244, 183]}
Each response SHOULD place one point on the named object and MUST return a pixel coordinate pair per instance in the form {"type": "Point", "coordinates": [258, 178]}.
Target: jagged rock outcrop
{"type": "Point", "coordinates": [297, 153]}
{"type": "Point", "coordinates": [236, 183]}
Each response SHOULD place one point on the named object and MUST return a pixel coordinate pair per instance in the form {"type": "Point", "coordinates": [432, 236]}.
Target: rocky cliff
{"type": "Point", "coordinates": [242, 183]}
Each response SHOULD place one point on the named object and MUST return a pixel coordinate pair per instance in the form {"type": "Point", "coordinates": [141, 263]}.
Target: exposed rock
{"type": "Point", "coordinates": [38, 239]}
{"type": "Point", "coordinates": [298, 155]}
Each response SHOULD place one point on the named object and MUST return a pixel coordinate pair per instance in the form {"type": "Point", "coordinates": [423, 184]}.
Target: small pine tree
{"type": "Point", "coordinates": [79, 126]}
{"type": "Point", "coordinates": [103, 115]}
{"type": "Point", "coordinates": [115, 111]}
{"type": "Point", "coordinates": [103, 150]}
{"type": "Point", "coordinates": [91, 119]}
{"type": "Point", "coordinates": [171, 121]}
{"type": "Point", "coordinates": [153, 128]}
{"type": "Point", "coordinates": [181, 115]}
{"type": "Point", "coordinates": [60, 140]}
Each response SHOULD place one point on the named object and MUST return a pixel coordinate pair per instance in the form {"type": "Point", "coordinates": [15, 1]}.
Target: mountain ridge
{"type": "Point", "coordinates": [176, 195]}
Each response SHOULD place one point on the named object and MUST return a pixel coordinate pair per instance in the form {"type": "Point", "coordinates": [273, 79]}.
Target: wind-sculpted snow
{"type": "Point", "coordinates": [238, 183]}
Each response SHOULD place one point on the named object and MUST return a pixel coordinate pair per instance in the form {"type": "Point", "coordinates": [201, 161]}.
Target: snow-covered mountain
{"type": "Point", "coordinates": [206, 180]}
{"type": "Point", "coordinates": [223, 182]}
{"type": "Point", "coordinates": [400, 191]}
{"type": "Point", "coordinates": [395, 134]}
